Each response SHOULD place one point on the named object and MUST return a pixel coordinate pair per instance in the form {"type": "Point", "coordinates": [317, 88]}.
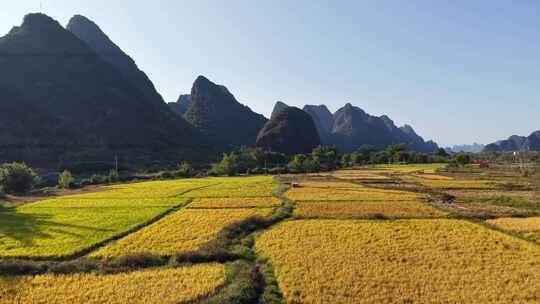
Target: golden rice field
{"type": "Point", "coordinates": [174, 285]}
{"type": "Point", "coordinates": [235, 202]}
{"type": "Point", "coordinates": [345, 209]}
{"type": "Point", "coordinates": [335, 191]}
{"type": "Point", "coordinates": [404, 261]}
{"type": "Point", "coordinates": [184, 231]}
{"type": "Point", "coordinates": [255, 186]}
{"type": "Point", "coordinates": [60, 232]}
{"type": "Point", "coordinates": [151, 189]}
{"type": "Point", "coordinates": [445, 184]}
{"type": "Point", "coordinates": [530, 224]}
{"type": "Point", "coordinates": [355, 174]}
{"type": "Point", "coordinates": [409, 168]}
{"type": "Point", "coordinates": [526, 195]}
{"type": "Point", "coordinates": [528, 227]}
{"type": "Point", "coordinates": [433, 176]}
{"type": "Point", "coordinates": [70, 224]}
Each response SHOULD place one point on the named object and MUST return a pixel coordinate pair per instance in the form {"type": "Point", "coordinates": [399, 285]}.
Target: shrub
{"type": "Point", "coordinates": [65, 180]}
{"type": "Point", "coordinates": [96, 179]}
{"type": "Point", "coordinates": [17, 178]}
{"type": "Point", "coordinates": [113, 176]}
{"type": "Point", "coordinates": [227, 166]}
{"type": "Point", "coordinates": [184, 170]}
{"type": "Point", "coordinates": [277, 170]}
{"type": "Point", "coordinates": [165, 175]}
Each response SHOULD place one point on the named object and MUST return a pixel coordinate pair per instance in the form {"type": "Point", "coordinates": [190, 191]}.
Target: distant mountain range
{"type": "Point", "coordinates": [350, 127]}
{"type": "Point", "coordinates": [473, 148]}
{"type": "Point", "coordinates": [516, 143]}
{"type": "Point", "coordinates": [71, 94]}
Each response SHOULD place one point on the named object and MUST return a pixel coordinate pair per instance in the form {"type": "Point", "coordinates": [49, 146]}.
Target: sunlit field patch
{"type": "Point", "coordinates": [355, 174]}
{"type": "Point", "coordinates": [344, 209]}
{"type": "Point", "coordinates": [255, 186]}
{"type": "Point", "coordinates": [68, 225]}
{"type": "Point", "coordinates": [77, 202]}
{"type": "Point", "coordinates": [451, 184]}
{"type": "Point", "coordinates": [175, 285]}
{"type": "Point", "coordinates": [409, 168]}
{"type": "Point", "coordinates": [528, 227]}
{"type": "Point", "coordinates": [181, 232]}
{"type": "Point", "coordinates": [514, 199]}
{"type": "Point", "coordinates": [433, 176]}
{"type": "Point", "coordinates": [335, 191]}
{"type": "Point", "coordinates": [65, 231]}
{"type": "Point", "coordinates": [405, 261]}
{"type": "Point", "coordinates": [235, 202]}
{"type": "Point", "coordinates": [153, 189]}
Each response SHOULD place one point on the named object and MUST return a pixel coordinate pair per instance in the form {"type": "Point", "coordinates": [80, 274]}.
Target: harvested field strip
{"type": "Point", "coordinates": [329, 191]}
{"type": "Point", "coordinates": [408, 168]}
{"type": "Point", "coordinates": [172, 285]}
{"type": "Point", "coordinates": [256, 202]}
{"type": "Point", "coordinates": [451, 184]}
{"type": "Point", "coordinates": [347, 209]}
{"type": "Point", "coordinates": [433, 176]}
{"type": "Point", "coordinates": [182, 232]}
{"type": "Point", "coordinates": [354, 174]}
{"type": "Point", "coordinates": [405, 261]}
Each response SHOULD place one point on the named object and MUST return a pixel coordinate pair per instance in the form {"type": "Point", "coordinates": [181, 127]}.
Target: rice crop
{"type": "Point", "coordinates": [174, 285]}
{"type": "Point", "coordinates": [184, 231]}
{"type": "Point", "coordinates": [255, 186]}
{"type": "Point", "coordinates": [344, 209]}
{"type": "Point", "coordinates": [235, 202]}
{"type": "Point", "coordinates": [332, 191]}
{"type": "Point", "coordinates": [452, 183]}
{"type": "Point", "coordinates": [404, 261]}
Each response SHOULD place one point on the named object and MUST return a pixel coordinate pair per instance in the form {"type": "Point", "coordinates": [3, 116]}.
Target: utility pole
{"type": "Point", "coordinates": [116, 163]}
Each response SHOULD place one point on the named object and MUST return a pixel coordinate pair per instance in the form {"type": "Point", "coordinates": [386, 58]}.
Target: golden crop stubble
{"type": "Point", "coordinates": [172, 285]}
{"type": "Point", "coordinates": [417, 261]}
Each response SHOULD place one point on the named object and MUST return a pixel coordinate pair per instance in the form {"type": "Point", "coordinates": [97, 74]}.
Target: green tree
{"type": "Point", "coordinates": [17, 178]}
{"type": "Point", "coordinates": [462, 158]}
{"type": "Point", "coordinates": [356, 158]}
{"type": "Point", "coordinates": [227, 166]}
{"type": "Point", "coordinates": [184, 170]}
{"type": "Point", "coordinates": [326, 157]}
{"type": "Point", "coordinates": [113, 176]}
{"type": "Point", "coordinates": [365, 152]}
{"type": "Point", "coordinates": [65, 180]}
{"type": "Point", "coordinates": [297, 163]}
{"type": "Point", "coordinates": [346, 160]}
{"type": "Point", "coordinates": [441, 152]}
{"type": "Point", "coordinates": [401, 156]}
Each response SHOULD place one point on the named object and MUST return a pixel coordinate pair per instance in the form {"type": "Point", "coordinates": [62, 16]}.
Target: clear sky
{"type": "Point", "coordinates": [458, 71]}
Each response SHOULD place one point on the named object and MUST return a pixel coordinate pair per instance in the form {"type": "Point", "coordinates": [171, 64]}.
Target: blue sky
{"type": "Point", "coordinates": [457, 71]}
